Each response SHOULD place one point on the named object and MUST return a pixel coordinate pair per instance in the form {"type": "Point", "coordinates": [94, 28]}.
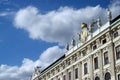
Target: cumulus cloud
{"type": "Point", "coordinates": [55, 26]}
{"type": "Point", "coordinates": [25, 70]}
{"type": "Point", "coordinates": [58, 25]}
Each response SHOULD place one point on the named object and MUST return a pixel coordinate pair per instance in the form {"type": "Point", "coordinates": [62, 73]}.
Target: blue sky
{"type": "Point", "coordinates": [34, 32]}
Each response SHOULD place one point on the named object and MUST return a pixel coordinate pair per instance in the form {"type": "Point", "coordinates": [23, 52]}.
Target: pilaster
{"type": "Point", "coordinates": [80, 71]}
{"type": "Point", "coordinates": [91, 67]}
{"type": "Point", "coordinates": [112, 60]}
{"type": "Point", "coordinates": [100, 62]}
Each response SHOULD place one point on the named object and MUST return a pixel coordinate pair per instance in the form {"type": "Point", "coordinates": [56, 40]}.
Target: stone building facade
{"type": "Point", "coordinates": [98, 58]}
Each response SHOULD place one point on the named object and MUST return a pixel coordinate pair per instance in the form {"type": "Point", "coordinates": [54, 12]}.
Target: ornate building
{"type": "Point", "coordinates": [95, 57]}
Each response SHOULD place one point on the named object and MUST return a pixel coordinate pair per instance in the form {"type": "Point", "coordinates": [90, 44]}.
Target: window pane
{"type": "Point", "coordinates": [84, 52]}
{"type": "Point", "coordinates": [106, 61]}
{"type": "Point", "coordinates": [76, 73]}
{"type": "Point", "coordinates": [104, 41]}
{"type": "Point", "coordinates": [69, 74]}
{"type": "Point", "coordinates": [115, 34]}
{"type": "Point", "coordinates": [64, 77]}
{"type": "Point", "coordinates": [96, 62]}
{"type": "Point", "coordinates": [118, 52]}
{"type": "Point", "coordinates": [85, 68]}
{"type": "Point", "coordinates": [94, 47]}
{"type": "Point", "coordinates": [118, 76]}
{"type": "Point", "coordinates": [107, 76]}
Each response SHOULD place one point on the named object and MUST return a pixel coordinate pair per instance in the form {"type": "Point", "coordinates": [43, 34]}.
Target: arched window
{"type": "Point", "coordinates": [97, 78]}
{"type": "Point", "coordinates": [107, 76]}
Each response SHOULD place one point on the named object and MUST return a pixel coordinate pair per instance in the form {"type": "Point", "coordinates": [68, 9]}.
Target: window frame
{"type": "Point", "coordinates": [76, 73]}
{"type": "Point", "coordinates": [106, 59]}
{"type": "Point", "coordinates": [117, 52]}
{"type": "Point", "coordinates": [118, 76]}
{"type": "Point", "coordinates": [85, 68]}
{"type": "Point", "coordinates": [96, 64]}
{"type": "Point", "coordinates": [115, 34]}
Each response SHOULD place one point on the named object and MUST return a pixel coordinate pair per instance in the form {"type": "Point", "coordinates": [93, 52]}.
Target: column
{"type": "Point", "coordinates": [91, 67]}
{"type": "Point", "coordinates": [100, 62]}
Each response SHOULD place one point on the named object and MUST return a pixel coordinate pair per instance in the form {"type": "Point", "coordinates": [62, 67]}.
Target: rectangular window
{"type": "Point", "coordinates": [118, 76]}
{"type": "Point", "coordinates": [96, 63]}
{"type": "Point", "coordinates": [64, 66]}
{"type": "Point", "coordinates": [76, 73]}
{"type": "Point", "coordinates": [69, 75]}
{"type": "Point", "coordinates": [58, 78]}
{"type": "Point", "coordinates": [106, 60]}
{"type": "Point", "coordinates": [115, 34]}
{"type": "Point", "coordinates": [94, 47]}
{"type": "Point", "coordinates": [64, 77]}
{"type": "Point", "coordinates": [75, 58]}
{"type": "Point", "coordinates": [118, 52]}
{"type": "Point", "coordinates": [85, 68]}
{"type": "Point", "coordinates": [104, 41]}
{"type": "Point", "coordinates": [58, 69]}
{"type": "Point", "coordinates": [84, 52]}
{"type": "Point", "coordinates": [69, 63]}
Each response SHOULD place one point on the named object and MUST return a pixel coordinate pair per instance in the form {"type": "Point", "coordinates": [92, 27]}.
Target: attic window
{"type": "Point", "coordinates": [104, 41]}
{"type": "Point", "coordinates": [115, 34]}
{"type": "Point", "coordinates": [94, 47]}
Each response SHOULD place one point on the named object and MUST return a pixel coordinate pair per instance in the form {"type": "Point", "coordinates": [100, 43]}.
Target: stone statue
{"type": "Point", "coordinates": [109, 15]}
{"type": "Point", "coordinates": [91, 26]}
{"type": "Point", "coordinates": [84, 32]}
{"type": "Point", "coordinates": [67, 46]}
{"type": "Point", "coordinates": [37, 70]}
{"type": "Point", "coordinates": [73, 42]}
{"type": "Point", "coordinates": [79, 37]}
{"type": "Point", "coordinates": [99, 23]}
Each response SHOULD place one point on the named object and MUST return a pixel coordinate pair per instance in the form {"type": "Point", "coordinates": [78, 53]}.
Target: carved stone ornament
{"type": "Point", "coordinates": [99, 22]}
{"type": "Point", "coordinates": [73, 42]}
{"type": "Point", "coordinates": [67, 46]}
{"type": "Point", "coordinates": [117, 68]}
{"type": "Point", "coordinates": [109, 15]}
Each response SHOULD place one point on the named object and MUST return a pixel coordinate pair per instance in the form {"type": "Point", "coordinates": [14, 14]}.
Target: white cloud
{"type": "Point", "coordinates": [55, 26]}
{"type": "Point", "coordinates": [25, 70]}
{"type": "Point", "coordinates": [2, 14]}
{"type": "Point", "coordinates": [58, 25]}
